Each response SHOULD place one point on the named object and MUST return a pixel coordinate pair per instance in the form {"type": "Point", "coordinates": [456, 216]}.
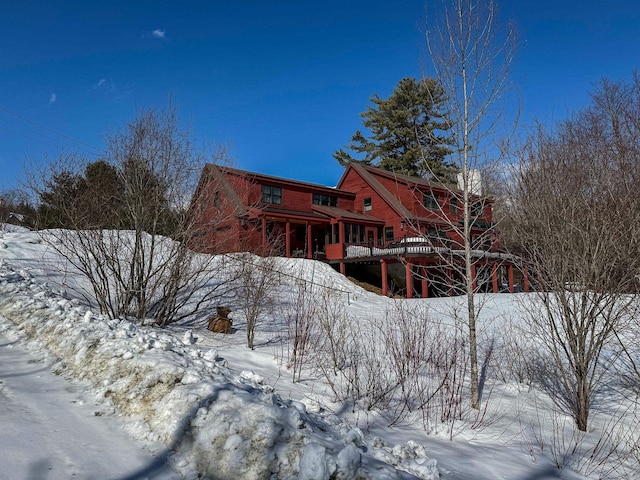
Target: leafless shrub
{"type": "Point", "coordinates": [258, 283]}
{"type": "Point", "coordinates": [516, 355]}
{"type": "Point", "coordinates": [123, 223]}
{"type": "Point", "coordinates": [606, 452]}
{"type": "Point", "coordinates": [367, 376]}
{"type": "Point", "coordinates": [614, 453]}
{"type": "Point", "coordinates": [404, 365]}
{"type": "Point", "coordinates": [627, 368]}
{"type": "Point", "coordinates": [301, 327]}
{"type": "Point", "coordinates": [333, 342]}
{"type": "Point", "coordinates": [575, 217]}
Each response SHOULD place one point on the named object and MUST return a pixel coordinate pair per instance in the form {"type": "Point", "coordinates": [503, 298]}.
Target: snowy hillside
{"type": "Point", "coordinates": [224, 411]}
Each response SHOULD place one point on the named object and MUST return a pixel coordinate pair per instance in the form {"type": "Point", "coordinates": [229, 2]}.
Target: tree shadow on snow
{"type": "Point", "coordinates": [182, 438]}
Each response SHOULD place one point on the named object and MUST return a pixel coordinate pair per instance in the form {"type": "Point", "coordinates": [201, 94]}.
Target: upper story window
{"type": "Point", "coordinates": [453, 205]}
{"type": "Point", "coordinates": [367, 204]}
{"type": "Point", "coordinates": [216, 199]}
{"type": "Point", "coordinates": [477, 209]}
{"type": "Point", "coordinates": [322, 199]}
{"type": "Point", "coordinates": [271, 194]}
{"type": "Point", "coordinates": [430, 200]}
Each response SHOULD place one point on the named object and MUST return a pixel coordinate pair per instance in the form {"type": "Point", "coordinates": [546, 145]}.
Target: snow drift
{"type": "Point", "coordinates": [213, 422]}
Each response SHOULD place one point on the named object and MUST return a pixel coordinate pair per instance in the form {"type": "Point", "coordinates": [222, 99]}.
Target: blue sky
{"type": "Point", "coordinates": [281, 83]}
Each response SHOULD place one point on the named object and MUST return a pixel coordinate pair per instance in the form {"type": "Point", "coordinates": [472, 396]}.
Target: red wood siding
{"type": "Point", "coordinates": [230, 221]}
{"type": "Point", "coordinates": [380, 209]}
{"type": "Point", "coordinates": [297, 197]}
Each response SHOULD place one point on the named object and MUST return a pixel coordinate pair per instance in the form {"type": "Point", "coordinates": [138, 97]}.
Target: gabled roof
{"type": "Point", "coordinates": [370, 179]}
{"type": "Point", "coordinates": [258, 177]}
{"type": "Point", "coordinates": [409, 180]}
{"type": "Point", "coordinates": [369, 174]}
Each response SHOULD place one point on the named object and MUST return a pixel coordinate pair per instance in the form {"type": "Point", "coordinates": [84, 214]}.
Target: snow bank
{"type": "Point", "coordinates": [214, 422]}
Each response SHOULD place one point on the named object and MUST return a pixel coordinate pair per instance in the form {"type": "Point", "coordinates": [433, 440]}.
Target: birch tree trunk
{"type": "Point", "coordinates": [472, 56]}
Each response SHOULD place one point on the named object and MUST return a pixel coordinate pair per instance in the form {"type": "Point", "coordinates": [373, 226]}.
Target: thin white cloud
{"type": "Point", "coordinates": [52, 98]}
{"type": "Point", "coordinates": [158, 33]}
{"type": "Point", "coordinates": [105, 85]}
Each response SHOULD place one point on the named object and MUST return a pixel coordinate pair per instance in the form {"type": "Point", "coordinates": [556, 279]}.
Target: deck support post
{"type": "Point", "coordinates": [408, 273]}
{"type": "Point", "coordinates": [383, 275]}
{"type": "Point", "coordinates": [494, 277]}
{"type": "Point", "coordinates": [309, 242]}
{"type": "Point", "coordinates": [510, 270]}
{"type": "Point", "coordinates": [423, 281]}
{"type": "Point", "coordinates": [287, 240]}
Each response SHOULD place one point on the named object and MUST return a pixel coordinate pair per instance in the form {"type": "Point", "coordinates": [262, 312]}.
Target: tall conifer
{"type": "Point", "coordinates": [409, 132]}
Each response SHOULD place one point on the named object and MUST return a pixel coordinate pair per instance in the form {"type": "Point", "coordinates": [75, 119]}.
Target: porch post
{"type": "Point", "coordinates": [510, 270]}
{"type": "Point", "coordinates": [424, 283]}
{"type": "Point", "coordinates": [309, 241]}
{"type": "Point", "coordinates": [264, 231]}
{"type": "Point", "coordinates": [383, 275]}
{"type": "Point", "coordinates": [343, 268]}
{"type": "Point", "coordinates": [494, 277]}
{"type": "Point", "coordinates": [408, 273]}
{"type": "Point", "coordinates": [340, 232]}
{"type": "Point", "coordinates": [450, 280]}
{"type": "Point", "coordinates": [287, 240]}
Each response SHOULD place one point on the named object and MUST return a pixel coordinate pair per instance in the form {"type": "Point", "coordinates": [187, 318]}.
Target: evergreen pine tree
{"type": "Point", "coordinates": [408, 132]}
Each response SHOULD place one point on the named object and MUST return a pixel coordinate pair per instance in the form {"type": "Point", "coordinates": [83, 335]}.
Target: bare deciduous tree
{"type": "Point", "coordinates": [125, 225]}
{"type": "Point", "coordinates": [575, 215]}
{"type": "Point", "coordinates": [472, 57]}
{"type": "Point", "coordinates": [302, 328]}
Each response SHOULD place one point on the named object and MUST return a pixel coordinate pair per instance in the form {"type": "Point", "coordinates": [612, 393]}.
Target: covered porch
{"type": "Point", "coordinates": [348, 228]}
{"type": "Point", "coordinates": [293, 234]}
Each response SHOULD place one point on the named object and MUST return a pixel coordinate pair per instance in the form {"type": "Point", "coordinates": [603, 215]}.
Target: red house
{"type": "Point", "coordinates": [403, 231]}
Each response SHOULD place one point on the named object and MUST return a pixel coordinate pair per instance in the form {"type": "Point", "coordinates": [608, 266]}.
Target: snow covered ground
{"type": "Point", "coordinates": [52, 428]}
{"type": "Point", "coordinates": [211, 407]}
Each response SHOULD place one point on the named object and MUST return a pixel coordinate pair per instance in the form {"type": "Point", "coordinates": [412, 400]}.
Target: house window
{"type": "Point", "coordinates": [322, 199]}
{"type": "Point", "coordinates": [336, 233]}
{"type": "Point", "coordinates": [388, 234]}
{"type": "Point", "coordinates": [354, 233]}
{"type": "Point", "coordinates": [477, 209]}
{"type": "Point", "coordinates": [216, 199]}
{"type": "Point", "coordinates": [453, 205]}
{"type": "Point", "coordinates": [367, 204]}
{"type": "Point", "coordinates": [430, 200]}
{"type": "Point", "coordinates": [272, 194]}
